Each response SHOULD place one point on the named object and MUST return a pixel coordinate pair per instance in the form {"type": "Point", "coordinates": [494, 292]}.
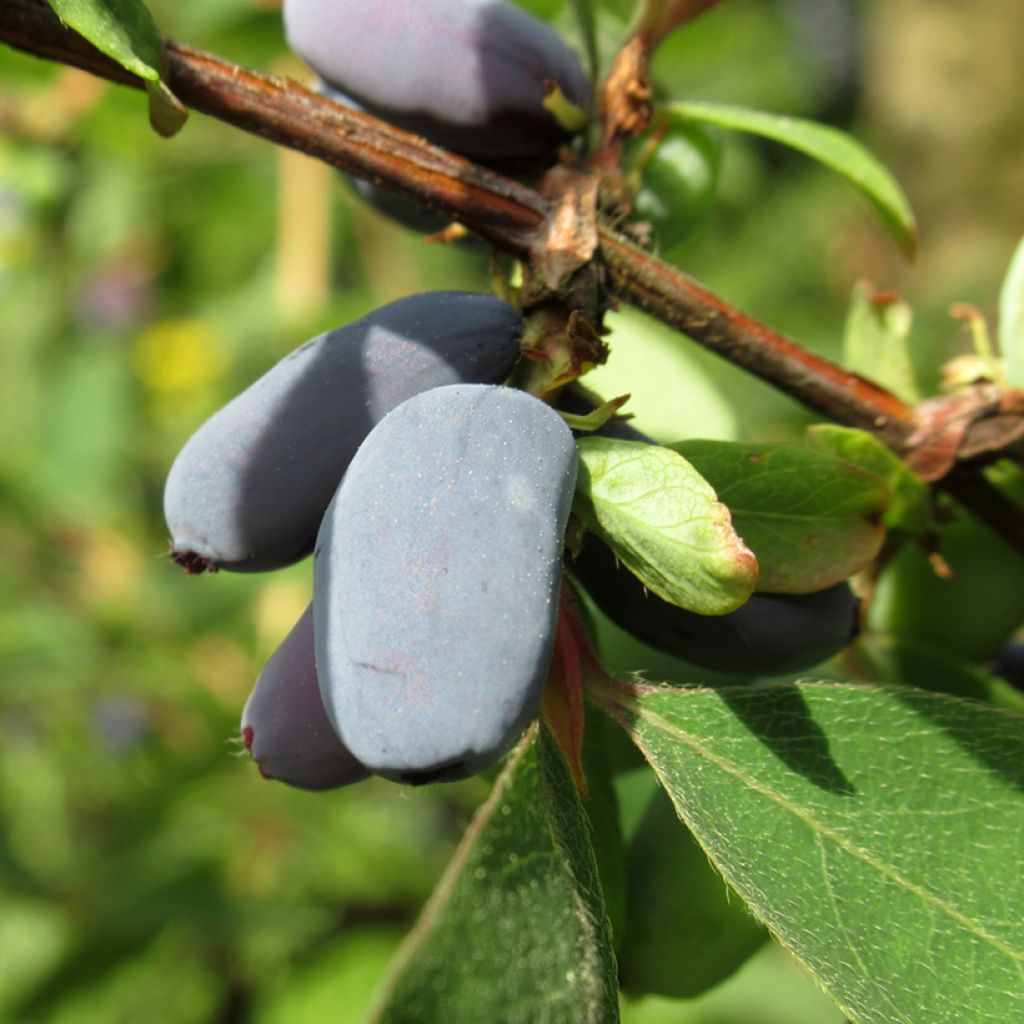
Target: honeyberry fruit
{"type": "Point", "coordinates": [248, 490]}
{"type": "Point", "coordinates": [436, 580]}
{"type": "Point", "coordinates": [677, 178]}
{"type": "Point", "coordinates": [469, 75]}
{"type": "Point", "coordinates": [772, 634]}
{"type": "Point", "coordinates": [284, 725]}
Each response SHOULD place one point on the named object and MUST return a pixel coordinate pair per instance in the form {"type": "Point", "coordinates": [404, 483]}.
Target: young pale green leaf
{"type": "Point", "coordinates": [811, 518]}
{"type": "Point", "coordinates": [664, 523]}
{"type": "Point", "coordinates": [909, 498]}
{"type": "Point", "coordinates": [875, 831]}
{"type": "Point", "coordinates": [125, 31]}
{"type": "Point", "coordinates": [1011, 319]}
{"type": "Point", "coordinates": [516, 930]}
{"type": "Point", "coordinates": [876, 340]}
{"type": "Point", "coordinates": [831, 147]}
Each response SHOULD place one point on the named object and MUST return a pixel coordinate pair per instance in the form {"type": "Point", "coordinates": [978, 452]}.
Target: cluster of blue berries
{"type": "Point", "coordinates": [434, 499]}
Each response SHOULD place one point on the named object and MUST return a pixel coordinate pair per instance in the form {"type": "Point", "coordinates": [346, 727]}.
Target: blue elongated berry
{"type": "Point", "coordinates": [772, 634]}
{"type": "Point", "coordinates": [248, 490]}
{"type": "Point", "coordinates": [436, 580]}
{"type": "Point", "coordinates": [469, 75]}
{"type": "Point", "coordinates": [284, 725]}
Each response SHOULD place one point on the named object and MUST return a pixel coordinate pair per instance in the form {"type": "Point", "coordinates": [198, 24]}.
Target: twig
{"type": "Point", "coordinates": [509, 215]}
{"type": "Point", "coordinates": [681, 302]}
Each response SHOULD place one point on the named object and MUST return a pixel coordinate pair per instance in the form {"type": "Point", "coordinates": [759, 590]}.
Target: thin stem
{"type": "Point", "coordinates": [681, 302]}
{"type": "Point", "coordinates": [661, 17]}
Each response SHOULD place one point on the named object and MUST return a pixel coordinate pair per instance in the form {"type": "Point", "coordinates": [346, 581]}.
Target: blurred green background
{"type": "Point", "coordinates": [147, 872]}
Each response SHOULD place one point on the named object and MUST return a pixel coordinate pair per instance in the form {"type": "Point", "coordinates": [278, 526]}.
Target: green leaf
{"type": "Point", "coordinates": [1011, 319]}
{"type": "Point", "coordinates": [909, 497]}
{"type": "Point", "coordinates": [876, 340]}
{"type": "Point", "coordinates": [125, 31]}
{"type": "Point", "coordinates": [602, 810]}
{"type": "Point", "coordinates": [664, 523]}
{"type": "Point", "coordinates": [831, 147]}
{"type": "Point", "coordinates": [584, 12]}
{"type": "Point", "coordinates": [683, 934]}
{"type": "Point", "coordinates": [811, 518]}
{"type": "Point", "coordinates": [516, 930]}
{"type": "Point", "coordinates": [905, 661]}
{"type": "Point", "coordinates": [875, 831]}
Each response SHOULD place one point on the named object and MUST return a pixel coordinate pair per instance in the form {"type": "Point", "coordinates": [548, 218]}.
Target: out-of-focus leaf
{"type": "Point", "coordinates": [875, 831]}
{"type": "Point", "coordinates": [770, 988]}
{"type": "Point", "coordinates": [584, 11]}
{"type": "Point", "coordinates": [909, 497]}
{"type": "Point", "coordinates": [1011, 319]}
{"type": "Point", "coordinates": [343, 975]}
{"type": "Point", "coordinates": [683, 933]}
{"type": "Point", "coordinates": [876, 340]}
{"type": "Point", "coordinates": [516, 930]}
{"type": "Point", "coordinates": [125, 31]}
{"type": "Point", "coordinates": [664, 523]}
{"type": "Point", "coordinates": [811, 518]}
{"type": "Point", "coordinates": [968, 601]}
{"type": "Point", "coordinates": [904, 661]}
{"type": "Point", "coordinates": [118, 933]}
{"type": "Point", "coordinates": [829, 146]}
{"type": "Point", "coordinates": [648, 361]}
{"type": "Point", "coordinates": [87, 433]}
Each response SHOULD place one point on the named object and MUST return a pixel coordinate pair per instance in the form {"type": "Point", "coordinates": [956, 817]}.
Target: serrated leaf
{"type": "Point", "coordinates": [1011, 319]}
{"type": "Point", "coordinates": [829, 146]}
{"type": "Point", "coordinates": [125, 31]}
{"type": "Point", "coordinates": [516, 930]}
{"type": "Point", "coordinates": [811, 518]}
{"type": "Point", "coordinates": [876, 340]}
{"type": "Point", "coordinates": [875, 831]}
{"type": "Point", "coordinates": [664, 523]}
{"type": "Point", "coordinates": [909, 496]}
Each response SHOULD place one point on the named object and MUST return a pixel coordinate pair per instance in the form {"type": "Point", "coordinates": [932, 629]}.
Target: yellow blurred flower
{"type": "Point", "coordinates": [177, 358]}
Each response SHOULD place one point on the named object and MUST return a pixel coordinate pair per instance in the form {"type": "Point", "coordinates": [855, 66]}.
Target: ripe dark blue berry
{"type": "Point", "coordinates": [469, 75]}
{"type": "Point", "coordinates": [436, 581]}
{"type": "Point", "coordinates": [772, 634]}
{"type": "Point", "coordinates": [248, 490]}
{"type": "Point", "coordinates": [284, 725]}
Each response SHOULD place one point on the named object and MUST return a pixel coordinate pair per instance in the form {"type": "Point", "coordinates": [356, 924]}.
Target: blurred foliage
{"type": "Point", "coordinates": [147, 873]}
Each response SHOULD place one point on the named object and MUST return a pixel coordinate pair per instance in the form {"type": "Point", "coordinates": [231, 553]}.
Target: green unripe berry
{"type": "Point", "coordinates": [674, 171]}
